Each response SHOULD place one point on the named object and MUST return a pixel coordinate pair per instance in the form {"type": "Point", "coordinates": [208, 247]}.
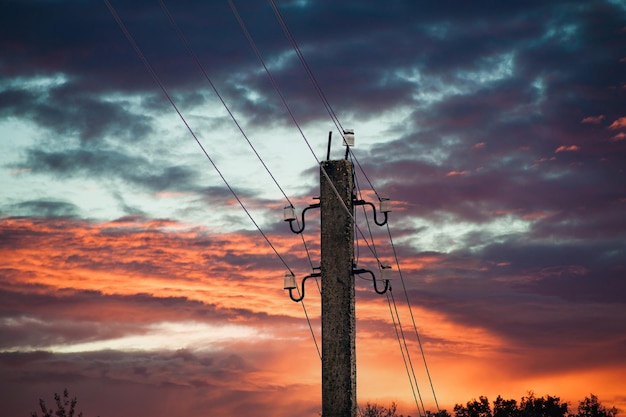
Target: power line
{"type": "Point", "coordinates": [157, 80]}
{"type": "Point", "coordinates": [182, 36]}
{"type": "Point", "coordinates": [398, 315]}
{"type": "Point", "coordinates": [369, 229]}
{"type": "Point", "coordinates": [406, 365]}
{"type": "Point", "coordinates": [323, 170]}
{"type": "Point", "coordinates": [406, 348]}
{"type": "Point", "coordinates": [232, 116]}
{"type": "Point", "coordinates": [316, 85]}
{"type": "Point", "coordinates": [169, 98]}
{"type": "Point", "coordinates": [244, 28]}
{"type": "Point", "coordinates": [307, 69]}
{"type": "Point", "coordinates": [364, 174]}
{"type": "Point", "coordinates": [306, 314]}
{"type": "Point", "coordinates": [419, 341]}
{"type": "Point", "coordinates": [341, 130]}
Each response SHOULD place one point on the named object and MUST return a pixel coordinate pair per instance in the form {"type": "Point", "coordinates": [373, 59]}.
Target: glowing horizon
{"type": "Point", "coordinates": [130, 274]}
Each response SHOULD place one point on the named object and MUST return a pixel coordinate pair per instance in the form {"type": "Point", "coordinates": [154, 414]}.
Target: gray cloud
{"type": "Point", "coordinates": [45, 208]}
{"type": "Point", "coordinates": [110, 164]}
{"type": "Point", "coordinates": [486, 99]}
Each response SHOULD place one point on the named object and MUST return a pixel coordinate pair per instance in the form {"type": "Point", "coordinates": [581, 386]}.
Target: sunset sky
{"type": "Point", "coordinates": [130, 274]}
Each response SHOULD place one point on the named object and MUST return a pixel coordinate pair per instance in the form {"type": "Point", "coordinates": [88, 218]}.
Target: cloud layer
{"type": "Point", "coordinates": [131, 274]}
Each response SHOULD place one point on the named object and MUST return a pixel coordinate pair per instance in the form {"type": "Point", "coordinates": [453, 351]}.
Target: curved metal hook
{"type": "Point", "coordinates": [367, 271]}
{"type": "Point", "coordinates": [315, 274]}
{"type": "Point", "coordinates": [363, 202]}
{"type": "Point", "coordinates": [316, 205]}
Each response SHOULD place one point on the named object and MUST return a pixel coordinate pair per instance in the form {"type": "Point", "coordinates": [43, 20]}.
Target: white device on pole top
{"type": "Point", "coordinates": [348, 137]}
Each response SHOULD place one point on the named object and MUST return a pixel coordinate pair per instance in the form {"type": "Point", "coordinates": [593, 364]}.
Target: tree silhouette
{"type": "Point", "coordinates": [591, 407]}
{"type": "Point", "coordinates": [529, 406]}
{"type": "Point", "coordinates": [66, 407]}
{"type": "Point", "coordinates": [547, 406]}
{"type": "Point", "coordinates": [480, 408]}
{"type": "Point", "coordinates": [375, 410]}
{"type": "Point", "coordinates": [532, 406]}
{"type": "Point", "coordinates": [505, 408]}
{"type": "Point", "coordinates": [440, 413]}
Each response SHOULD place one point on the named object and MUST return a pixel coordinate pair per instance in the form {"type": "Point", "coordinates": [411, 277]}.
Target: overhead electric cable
{"type": "Point", "coordinates": [369, 229]}
{"type": "Point", "coordinates": [364, 174]}
{"type": "Point", "coordinates": [243, 27]}
{"type": "Point", "coordinates": [341, 132]}
{"type": "Point", "coordinates": [402, 350]}
{"type": "Point", "coordinates": [183, 38]}
{"type": "Point", "coordinates": [406, 348]}
{"type": "Point", "coordinates": [406, 294]}
{"type": "Point", "coordinates": [323, 170]}
{"type": "Point", "coordinates": [269, 74]}
{"type": "Point", "coordinates": [180, 115]}
{"type": "Point", "coordinates": [316, 85]}
{"type": "Point", "coordinates": [306, 314]}
{"type": "Point", "coordinates": [406, 365]}
{"type": "Point", "coordinates": [307, 69]}
{"type": "Point", "coordinates": [232, 116]}
{"type": "Point", "coordinates": [340, 129]}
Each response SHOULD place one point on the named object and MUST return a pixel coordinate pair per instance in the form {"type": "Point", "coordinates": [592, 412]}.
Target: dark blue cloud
{"type": "Point", "coordinates": [487, 149]}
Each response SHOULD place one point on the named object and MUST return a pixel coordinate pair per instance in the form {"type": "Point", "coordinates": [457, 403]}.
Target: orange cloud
{"type": "Point", "coordinates": [114, 279]}
{"type": "Point", "coordinates": [618, 137]}
{"type": "Point", "coordinates": [479, 145]}
{"type": "Point", "coordinates": [565, 148]}
{"type": "Point", "coordinates": [456, 173]}
{"type": "Point", "coordinates": [593, 119]}
{"type": "Point", "coordinates": [537, 215]}
{"type": "Point", "coordinates": [618, 124]}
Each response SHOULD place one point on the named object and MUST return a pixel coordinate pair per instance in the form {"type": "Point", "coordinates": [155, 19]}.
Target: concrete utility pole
{"type": "Point", "coordinates": [337, 269]}
{"type": "Point", "coordinates": [338, 312]}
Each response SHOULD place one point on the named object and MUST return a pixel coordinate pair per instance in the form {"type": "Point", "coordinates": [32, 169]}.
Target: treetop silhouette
{"type": "Point", "coordinates": [66, 407]}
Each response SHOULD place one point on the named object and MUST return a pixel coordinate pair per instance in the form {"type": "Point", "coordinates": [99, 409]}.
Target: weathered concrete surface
{"type": "Point", "coordinates": [338, 314]}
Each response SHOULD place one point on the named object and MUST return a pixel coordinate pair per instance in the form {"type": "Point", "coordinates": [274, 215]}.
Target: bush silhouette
{"type": "Point", "coordinates": [66, 407]}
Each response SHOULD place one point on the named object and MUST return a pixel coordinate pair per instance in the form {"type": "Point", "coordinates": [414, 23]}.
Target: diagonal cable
{"type": "Point", "coordinates": [406, 348]}
{"type": "Point", "coordinates": [232, 116]}
{"type": "Point", "coordinates": [316, 85]}
{"type": "Point", "coordinates": [340, 128]}
{"type": "Point", "coordinates": [406, 365]}
{"type": "Point", "coordinates": [323, 170]}
{"type": "Point", "coordinates": [169, 98]}
{"type": "Point", "coordinates": [183, 38]}
{"type": "Point", "coordinates": [306, 67]}
{"type": "Point", "coordinates": [419, 341]}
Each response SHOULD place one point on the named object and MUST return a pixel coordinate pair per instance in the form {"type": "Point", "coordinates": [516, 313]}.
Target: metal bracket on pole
{"type": "Point", "coordinates": [290, 284]}
{"type": "Point", "coordinates": [290, 216]}
{"type": "Point", "coordinates": [384, 209]}
{"type": "Point", "coordinates": [367, 271]}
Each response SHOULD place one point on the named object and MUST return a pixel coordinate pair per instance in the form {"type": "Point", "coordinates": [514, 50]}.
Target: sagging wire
{"type": "Point", "coordinates": [323, 170]}
{"type": "Point", "coordinates": [419, 341]}
{"type": "Point", "coordinates": [232, 116]}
